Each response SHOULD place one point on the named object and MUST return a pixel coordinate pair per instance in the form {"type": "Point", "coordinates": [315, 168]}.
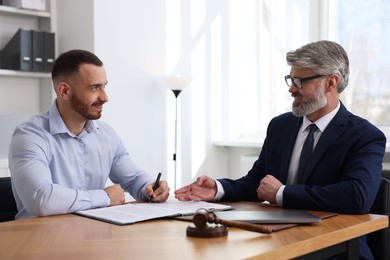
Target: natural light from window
{"type": "Point", "coordinates": [235, 52]}
{"type": "Point", "coordinates": [363, 28]}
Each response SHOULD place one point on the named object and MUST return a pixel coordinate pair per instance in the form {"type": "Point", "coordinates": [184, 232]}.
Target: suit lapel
{"type": "Point", "coordinates": [335, 128]}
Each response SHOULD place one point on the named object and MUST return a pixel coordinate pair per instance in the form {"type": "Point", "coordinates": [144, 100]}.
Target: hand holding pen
{"type": "Point", "coordinates": [158, 191]}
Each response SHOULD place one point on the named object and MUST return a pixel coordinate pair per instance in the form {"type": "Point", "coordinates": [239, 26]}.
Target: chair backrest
{"type": "Point", "coordinates": [8, 208]}
{"type": "Point", "coordinates": [386, 174]}
{"type": "Point", "coordinates": [379, 241]}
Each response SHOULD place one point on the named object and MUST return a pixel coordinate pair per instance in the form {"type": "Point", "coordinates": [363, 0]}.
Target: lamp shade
{"type": "Point", "coordinates": [176, 82]}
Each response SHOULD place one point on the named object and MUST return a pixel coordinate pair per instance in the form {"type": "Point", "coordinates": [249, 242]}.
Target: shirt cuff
{"type": "Point", "coordinates": [99, 198]}
{"type": "Point", "coordinates": [108, 200]}
{"type": "Point", "coordinates": [279, 196]}
{"type": "Point", "coordinates": [220, 191]}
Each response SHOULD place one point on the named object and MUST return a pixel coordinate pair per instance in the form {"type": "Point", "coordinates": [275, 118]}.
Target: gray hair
{"type": "Point", "coordinates": [325, 58]}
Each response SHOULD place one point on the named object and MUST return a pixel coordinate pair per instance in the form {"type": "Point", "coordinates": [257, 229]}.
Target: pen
{"type": "Point", "coordinates": [156, 184]}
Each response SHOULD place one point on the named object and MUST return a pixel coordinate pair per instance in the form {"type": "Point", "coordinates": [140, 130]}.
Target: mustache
{"type": "Point", "coordinates": [296, 95]}
{"type": "Point", "coordinates": [100, 103]}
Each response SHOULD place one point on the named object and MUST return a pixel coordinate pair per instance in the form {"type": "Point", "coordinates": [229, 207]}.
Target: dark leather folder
{"type": "Point", "coordinates": [265, 216]}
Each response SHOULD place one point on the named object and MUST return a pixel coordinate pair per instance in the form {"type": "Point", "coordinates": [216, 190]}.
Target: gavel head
{"type": "Point", "coordinates": [202, 217]}
{"type": "Point", "coordinates": [201, 229]}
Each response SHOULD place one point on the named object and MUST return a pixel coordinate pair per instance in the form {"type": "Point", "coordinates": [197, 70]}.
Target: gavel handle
{"type": "Point", "coordinates": [246, 226]}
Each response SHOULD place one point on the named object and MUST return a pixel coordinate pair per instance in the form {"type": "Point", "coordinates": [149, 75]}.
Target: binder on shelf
{"type": "Point", "coordinates": [38, 51]}
{"type": "Point", "coordinates": [40, 5]}
{"type": "Point", "coordinates": [49, 42]}
{"type": "Point", "coordinates": [17, 53]}
{"type": "Point", "coordinates": [27, 4]}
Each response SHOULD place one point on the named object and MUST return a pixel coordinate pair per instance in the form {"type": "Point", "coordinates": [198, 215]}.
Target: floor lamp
{"type": "Point", "coordinates": [176, 84]}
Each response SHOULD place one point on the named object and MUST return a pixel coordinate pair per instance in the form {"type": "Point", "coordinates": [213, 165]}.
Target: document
{"type": "Point", "coordinates": [135, 212]}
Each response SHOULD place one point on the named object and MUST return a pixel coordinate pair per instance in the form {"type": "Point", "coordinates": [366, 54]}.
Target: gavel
{"type": "Point", "coordinates": [203, 216]}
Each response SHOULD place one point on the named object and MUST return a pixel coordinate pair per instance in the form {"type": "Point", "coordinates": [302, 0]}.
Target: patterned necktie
{"type": "Point", "coordinates": [307, 150]}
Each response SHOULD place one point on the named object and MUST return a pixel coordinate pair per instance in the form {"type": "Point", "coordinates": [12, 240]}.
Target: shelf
{"type": "Point", "coordinates": [23, 12]}
{"type": "Point", "coordinates": [26, 74]}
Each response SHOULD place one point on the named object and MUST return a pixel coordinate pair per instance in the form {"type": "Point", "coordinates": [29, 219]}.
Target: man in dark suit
{"type": "Point", "coordinates": [342, 171]}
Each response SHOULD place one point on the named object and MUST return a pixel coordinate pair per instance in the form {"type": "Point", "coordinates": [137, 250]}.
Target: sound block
{"type": "Point", "coordinates": [207, 232]}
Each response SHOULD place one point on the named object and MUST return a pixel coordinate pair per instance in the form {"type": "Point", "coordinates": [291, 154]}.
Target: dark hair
{"type": "Point", "coordinates": [324, 57]}
{"type": "Point", "coordinates": [68, 63]}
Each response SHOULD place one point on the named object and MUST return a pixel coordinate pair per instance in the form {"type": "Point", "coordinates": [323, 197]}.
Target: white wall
{"type": "Point", "coordinates": [131, 37]}
{"type": "Point", "coordinates": [75, 25]}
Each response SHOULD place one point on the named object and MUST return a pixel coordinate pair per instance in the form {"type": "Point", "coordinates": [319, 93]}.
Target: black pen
{"type": "Point", "coordinates": [156, 183]}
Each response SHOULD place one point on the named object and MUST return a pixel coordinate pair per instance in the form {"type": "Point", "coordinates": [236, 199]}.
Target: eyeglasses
{"type": "Point", "coordinates": [290, 81]}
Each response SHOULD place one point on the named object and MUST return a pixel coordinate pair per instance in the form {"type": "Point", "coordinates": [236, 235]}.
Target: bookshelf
{"type": "Point", "coordinates": [8, 10]}
{"type": "Point", "coordinates": [23, 93]}
{"type": "Point", "coordinates": [27, 74]}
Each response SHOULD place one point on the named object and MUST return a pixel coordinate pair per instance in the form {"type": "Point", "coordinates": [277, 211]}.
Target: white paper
{"type": "Point", "coordinates": [135, 212]}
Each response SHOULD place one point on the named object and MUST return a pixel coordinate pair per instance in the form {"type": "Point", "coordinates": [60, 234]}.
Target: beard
{"type": "Point", "coordinates": [83, 109]}
{"type": "Point", "coordinates": [311, 105]}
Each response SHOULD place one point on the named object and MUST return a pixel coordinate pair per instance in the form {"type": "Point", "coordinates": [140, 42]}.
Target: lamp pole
{"type": "Point", "coordinates": [176, 84]}
{"type": "Point", "coordinates": [176, 92]}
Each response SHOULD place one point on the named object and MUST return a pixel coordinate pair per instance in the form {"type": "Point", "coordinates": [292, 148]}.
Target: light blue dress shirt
{"type": "Point", "coordinates": [56, 172]}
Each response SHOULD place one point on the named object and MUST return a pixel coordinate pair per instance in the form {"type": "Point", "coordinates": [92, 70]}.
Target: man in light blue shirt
{"type": "Point", "coordinates": [60, 160]}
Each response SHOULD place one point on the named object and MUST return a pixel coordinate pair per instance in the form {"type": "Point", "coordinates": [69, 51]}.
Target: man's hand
{"type": "Point", "coordinates": [161, 194]}
{"type": "Point", "coordinates": [204, 188]}
{"type": "Point", "coordinates": [268, 188]}
{"type": "Point", "coordinates": [116, 194]}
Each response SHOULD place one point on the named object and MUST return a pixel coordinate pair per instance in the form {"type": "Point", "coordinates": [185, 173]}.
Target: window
{"type": "Point", "coordinates": [261, 32]}
{"type": "Point", "coordinates": [235, 52]}
{"type": "Point", "coordinates": [363, 29]}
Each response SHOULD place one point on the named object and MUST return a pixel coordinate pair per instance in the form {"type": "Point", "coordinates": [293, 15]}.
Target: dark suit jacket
{"type": "Point", "coordinates": [342, 176]}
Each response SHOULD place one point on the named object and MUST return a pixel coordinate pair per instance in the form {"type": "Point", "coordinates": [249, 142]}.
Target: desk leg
{"type": "Point", "coordinates": [348, 250]}
{"type": "Point", "coordinates": [352, 250]}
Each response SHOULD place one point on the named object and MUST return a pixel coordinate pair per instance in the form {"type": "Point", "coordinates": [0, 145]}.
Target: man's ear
{"type": "Point", "coordinates": [332, 83]}
{"type": "Point", "coordinates": [63, 90]}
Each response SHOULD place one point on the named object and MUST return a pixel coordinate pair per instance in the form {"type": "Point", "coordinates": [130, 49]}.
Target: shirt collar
{"type": "Point", "coordinates": [57, 125]}
{"type": "Point", "coordinates": [323, 122]}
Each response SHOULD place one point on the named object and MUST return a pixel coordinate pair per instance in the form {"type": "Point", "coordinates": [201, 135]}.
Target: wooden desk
{"type": "Point", "coordinates": [75, 237]}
